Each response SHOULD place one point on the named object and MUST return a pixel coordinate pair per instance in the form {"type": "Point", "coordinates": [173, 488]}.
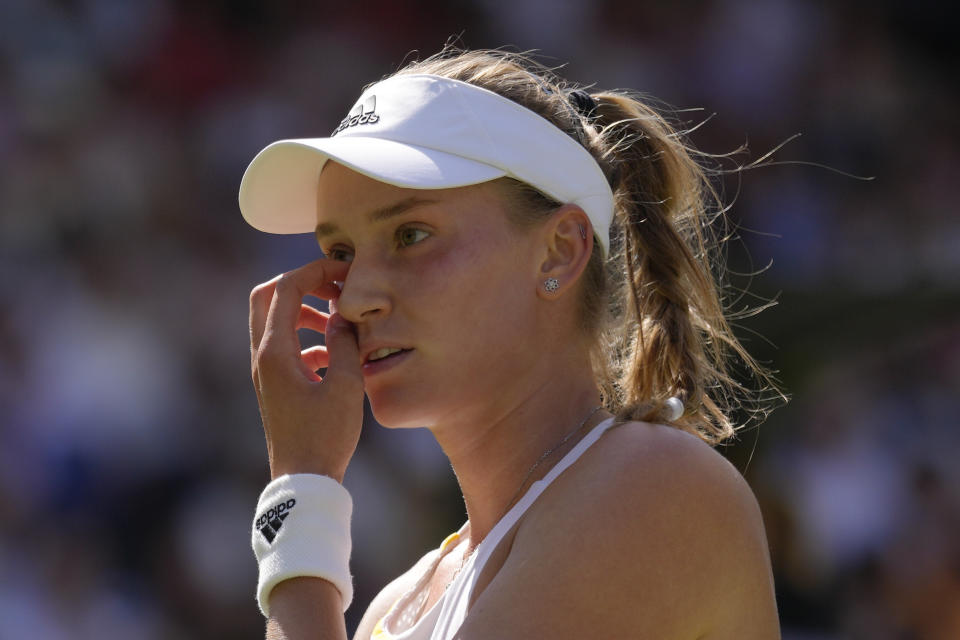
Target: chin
{"type": "Point", "coordinates": [397, 410]}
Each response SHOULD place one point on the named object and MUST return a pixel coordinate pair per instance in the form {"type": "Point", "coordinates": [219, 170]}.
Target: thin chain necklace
{"type": "Point", "coordinates": [536, 464]}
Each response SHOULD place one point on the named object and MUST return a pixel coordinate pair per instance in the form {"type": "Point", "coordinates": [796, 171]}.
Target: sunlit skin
{"type": "Point", "coordinates": [497, 368]}
{"type": "Point", "coordinates": [650, 534]}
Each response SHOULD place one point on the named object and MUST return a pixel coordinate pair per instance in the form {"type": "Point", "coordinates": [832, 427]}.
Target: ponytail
{"type": "Point", "coordinates": [673, 338]}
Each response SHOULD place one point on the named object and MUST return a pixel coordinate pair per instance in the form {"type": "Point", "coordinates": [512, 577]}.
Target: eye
{"type": "Point", "coordinates": [341, 254]}
{"type": "Point", "coordinates": [407, 236]}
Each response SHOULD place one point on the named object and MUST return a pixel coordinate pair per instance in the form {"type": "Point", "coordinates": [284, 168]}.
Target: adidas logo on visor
{"type": "Point", "coordinates": [362, 113]}
{"type": "Point", "coordinates": [271, 520]}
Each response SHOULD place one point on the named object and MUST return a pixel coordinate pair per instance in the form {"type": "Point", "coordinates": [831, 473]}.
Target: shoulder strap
{"type": "Point", "coordinates": [457, 597]}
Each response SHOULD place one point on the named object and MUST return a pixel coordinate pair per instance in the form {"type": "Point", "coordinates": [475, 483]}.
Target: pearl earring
{"type": "Point", "coordinates": [551, 285]}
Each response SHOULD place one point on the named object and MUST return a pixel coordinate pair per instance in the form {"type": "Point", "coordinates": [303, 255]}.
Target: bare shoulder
{"type": "Point", "coordinates": [637, 470]}
{"type": "Point", "coordinates": [381, 604]}
{"type": "Point", "coordinates": [651, 465]}
{"type": "Point", "coordinates": [654, 529]}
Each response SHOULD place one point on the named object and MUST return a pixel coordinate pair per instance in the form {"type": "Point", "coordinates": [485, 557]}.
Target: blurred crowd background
{"type": "Point", "coordinates": [131, 451]}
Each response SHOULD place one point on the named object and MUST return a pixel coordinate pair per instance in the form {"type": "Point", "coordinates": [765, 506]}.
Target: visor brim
{"type": "Point", "coordinates": [278, 192]}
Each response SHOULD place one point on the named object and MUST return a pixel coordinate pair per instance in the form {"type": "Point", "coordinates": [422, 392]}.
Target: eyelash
{"type": "Point", "coordinates": [337, 254]}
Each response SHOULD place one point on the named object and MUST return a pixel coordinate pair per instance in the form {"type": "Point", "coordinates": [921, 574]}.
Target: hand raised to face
{"type": "Point", "coordinates": [311, 424]}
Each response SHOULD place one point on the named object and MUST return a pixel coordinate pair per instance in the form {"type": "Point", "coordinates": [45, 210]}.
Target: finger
{"type": "Point", "coordinates": [260, 299]}
{"type": "Point", "coordinates": [325, 291]}
{"type": "Point", "coordinates": [262, 295]}
{"type": "Point", "coordinates": [311, 318]}
{"type": "Point", "coordinates": [345, 363]}
{"type": "Point", "coordinates": [288, 295]}
{"type": "Point", "coordinates": [315, 358]}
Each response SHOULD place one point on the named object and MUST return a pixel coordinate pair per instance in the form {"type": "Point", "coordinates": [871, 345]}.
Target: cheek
{"type": "Point", "coordinates": [475, 279]}
{"type": "Point", "coordinates": [474, 300]}
{"type": "Point", "coordinates": [450, 274]}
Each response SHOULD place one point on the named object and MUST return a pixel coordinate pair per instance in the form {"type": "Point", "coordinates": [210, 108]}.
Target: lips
{"type": "Point", "coordinates": [375, 353]}
{"type": "Point", "coordinates": [379, 365]}
{"type": "Point", "coordinates": [385, 352]}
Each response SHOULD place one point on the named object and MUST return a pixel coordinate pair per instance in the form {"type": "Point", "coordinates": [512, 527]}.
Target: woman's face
{"type": "Point", "coordinates": [441, 275]}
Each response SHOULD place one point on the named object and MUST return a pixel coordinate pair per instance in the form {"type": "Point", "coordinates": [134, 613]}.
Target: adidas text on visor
{"type": "Point", "coordinates": [423, 131]}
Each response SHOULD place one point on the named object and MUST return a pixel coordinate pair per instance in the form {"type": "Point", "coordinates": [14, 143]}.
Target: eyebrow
{"type": "Point", "coordinates": [326, 229]}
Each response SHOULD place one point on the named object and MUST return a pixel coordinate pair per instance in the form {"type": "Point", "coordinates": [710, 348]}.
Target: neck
{"type": "Point", "coordinates": [492, 448]}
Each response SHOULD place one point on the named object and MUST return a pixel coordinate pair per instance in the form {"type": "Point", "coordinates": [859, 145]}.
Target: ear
{"type": "Point", "coordinates": [568, 244]}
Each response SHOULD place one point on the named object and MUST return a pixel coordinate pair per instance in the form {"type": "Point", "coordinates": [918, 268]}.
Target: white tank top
{"type": "Point", "coordinates": [443, 620]}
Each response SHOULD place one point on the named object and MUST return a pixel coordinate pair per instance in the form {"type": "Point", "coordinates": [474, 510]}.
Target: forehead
{"type": "Point", "coordinates": [340, 187]}
{"type": "Point", "coordinates": [343, 193]}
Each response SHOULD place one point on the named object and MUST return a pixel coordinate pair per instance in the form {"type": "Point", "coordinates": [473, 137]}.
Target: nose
{"type": "Point", "coordinates": [365, 292]}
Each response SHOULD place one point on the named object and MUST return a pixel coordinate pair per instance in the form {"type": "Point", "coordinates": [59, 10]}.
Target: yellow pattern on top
{"type": "Point", "coordinates": [450, 539]}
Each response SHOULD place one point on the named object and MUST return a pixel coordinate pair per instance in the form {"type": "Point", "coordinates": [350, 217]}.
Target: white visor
{"type": "Point", "coordinates": [424, 131]}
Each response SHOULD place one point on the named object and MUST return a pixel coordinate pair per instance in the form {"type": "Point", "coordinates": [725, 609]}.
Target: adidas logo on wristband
{"type": "Point", "coordinates": [271, 520]}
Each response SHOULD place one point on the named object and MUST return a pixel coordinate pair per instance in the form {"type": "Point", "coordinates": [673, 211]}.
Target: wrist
{"type": "Point", "coordinates": [308, 466]}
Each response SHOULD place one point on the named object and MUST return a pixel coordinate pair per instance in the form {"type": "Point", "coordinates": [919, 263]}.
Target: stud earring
{"type": "Point", "coordinates": [583, 232]}
{"type": "Point", "coordinates": [551, 285]}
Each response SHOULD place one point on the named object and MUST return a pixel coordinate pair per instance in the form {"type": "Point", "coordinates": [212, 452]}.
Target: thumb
{"type": "Point", "coordinates": [342, 347]}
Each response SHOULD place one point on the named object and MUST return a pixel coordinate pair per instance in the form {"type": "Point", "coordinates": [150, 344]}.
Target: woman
{"type": "Point", "coordinates": [525, 270]}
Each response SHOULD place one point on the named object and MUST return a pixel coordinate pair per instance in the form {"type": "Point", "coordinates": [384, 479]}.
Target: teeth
{"type": "Point", "coordinates": [382, 353]}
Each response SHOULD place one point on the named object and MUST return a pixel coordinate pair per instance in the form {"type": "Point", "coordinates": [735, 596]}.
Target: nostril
{"type": "Point", "coordinates": [363, 299]}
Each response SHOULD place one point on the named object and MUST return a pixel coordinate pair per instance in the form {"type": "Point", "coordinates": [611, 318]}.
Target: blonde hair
{"type": "Point", "coordinates": [654, 306]}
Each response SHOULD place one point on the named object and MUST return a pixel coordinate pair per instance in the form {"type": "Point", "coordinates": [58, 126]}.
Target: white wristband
{"type": "Point", "coordinates": [302, 528]}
